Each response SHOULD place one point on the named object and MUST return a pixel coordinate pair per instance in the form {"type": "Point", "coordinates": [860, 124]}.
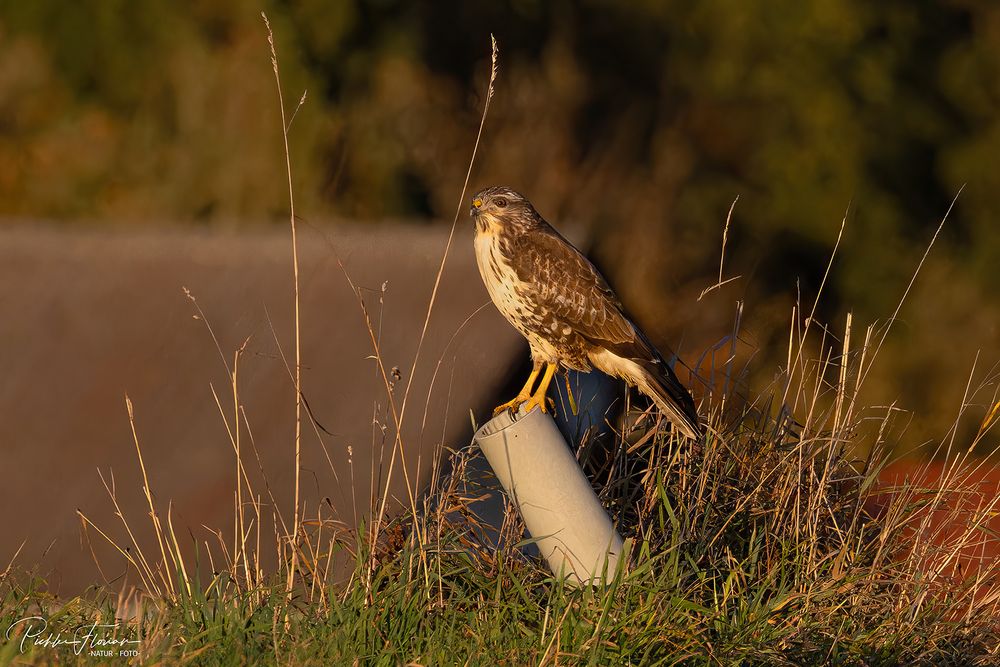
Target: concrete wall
{"type": "Point", "coordinates": [88, 316]}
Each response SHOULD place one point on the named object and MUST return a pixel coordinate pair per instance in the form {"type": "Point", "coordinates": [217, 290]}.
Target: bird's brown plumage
{"type": "Point", "coordinates": [560, 302]}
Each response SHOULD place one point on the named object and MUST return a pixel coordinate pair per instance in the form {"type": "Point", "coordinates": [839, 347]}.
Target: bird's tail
{"type": "Point", "coordinates": [661, 384]}
{"type": "Point", "coordinates": [650, 374]}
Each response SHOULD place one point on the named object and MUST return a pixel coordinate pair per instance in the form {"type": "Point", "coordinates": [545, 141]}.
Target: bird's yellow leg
{"type": "Point", "coordinates": [522, 395]}
{"type": "Point", "coordinates": [539, 397]}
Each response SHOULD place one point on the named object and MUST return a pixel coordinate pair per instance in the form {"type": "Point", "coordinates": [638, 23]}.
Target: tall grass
{"type": "Point", "coordinates": [767, 543]}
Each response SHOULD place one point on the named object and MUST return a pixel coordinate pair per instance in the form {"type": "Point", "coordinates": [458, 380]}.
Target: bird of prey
{"type": "Point", "coordinates": [559, 301]}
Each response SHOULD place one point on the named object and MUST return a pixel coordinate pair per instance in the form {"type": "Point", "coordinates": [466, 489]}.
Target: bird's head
{"type": "Point", "coordinates": [500, 205]}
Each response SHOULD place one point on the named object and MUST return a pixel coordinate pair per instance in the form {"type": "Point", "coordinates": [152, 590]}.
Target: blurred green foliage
{"type": "Point", "coordinates": [639, 120]}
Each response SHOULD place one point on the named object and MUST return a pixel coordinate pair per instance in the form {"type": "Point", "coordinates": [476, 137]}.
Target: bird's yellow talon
{"type": "Point", "coordinates": [525, 398]}
{"type": "Point", "coordinates": [512, 405]}
{"type": "Point", "coordinates": [536, 401]}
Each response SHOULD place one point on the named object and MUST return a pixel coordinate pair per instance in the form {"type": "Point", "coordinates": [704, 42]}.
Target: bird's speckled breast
{"type": "Point", "coordinates": [512, 298]}
{"type": "Point", "coordinates": [500, 278]}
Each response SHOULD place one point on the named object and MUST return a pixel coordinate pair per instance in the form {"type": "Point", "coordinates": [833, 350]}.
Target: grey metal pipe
{"type": "Point", "coordinates": [562, 513]}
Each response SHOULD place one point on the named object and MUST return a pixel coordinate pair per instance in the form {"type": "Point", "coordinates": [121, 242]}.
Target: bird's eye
{"type": "Point", "coordinates": [500, 202]}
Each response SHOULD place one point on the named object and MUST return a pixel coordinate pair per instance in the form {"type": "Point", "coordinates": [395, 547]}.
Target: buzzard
{"type": "Point", "coordinates": [572, 319]}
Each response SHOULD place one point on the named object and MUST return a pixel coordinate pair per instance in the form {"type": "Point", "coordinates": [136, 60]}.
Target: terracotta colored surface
{"type": "Point", "coordinates": [961, 502]}
{"type": "Point", "coordinates": [90, 315]}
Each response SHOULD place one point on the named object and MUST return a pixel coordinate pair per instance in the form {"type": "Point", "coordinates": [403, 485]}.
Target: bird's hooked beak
{"type": "Point", "coordinates": [477, 205]}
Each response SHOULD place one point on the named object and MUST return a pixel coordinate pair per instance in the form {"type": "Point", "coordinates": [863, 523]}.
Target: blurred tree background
{"type": "Point", "coordinates": [639, 121]}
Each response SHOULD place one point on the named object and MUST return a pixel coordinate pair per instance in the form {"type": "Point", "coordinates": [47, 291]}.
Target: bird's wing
{"type": "Point", "coordinates": [565, 283]}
